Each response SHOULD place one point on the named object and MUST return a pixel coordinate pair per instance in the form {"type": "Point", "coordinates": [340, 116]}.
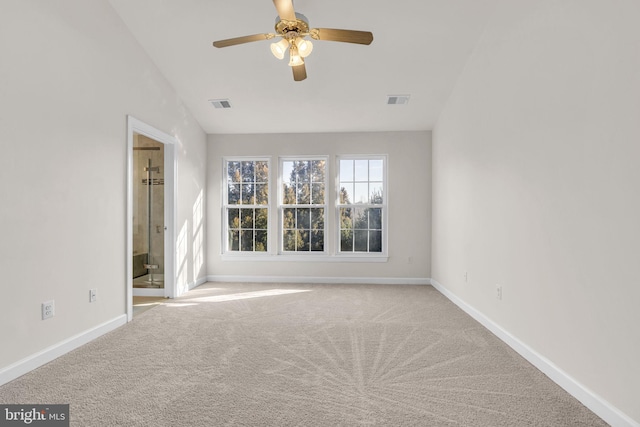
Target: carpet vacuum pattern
{"type": "Point", "coordinates": [301, 355]}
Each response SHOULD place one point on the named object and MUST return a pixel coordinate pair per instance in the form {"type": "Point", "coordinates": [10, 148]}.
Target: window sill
{"type": "Point", "coordinates": [304, 258]}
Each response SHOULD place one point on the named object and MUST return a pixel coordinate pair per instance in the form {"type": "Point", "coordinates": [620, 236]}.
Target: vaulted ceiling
{"type": "Point", "coordinates": [420, 47]}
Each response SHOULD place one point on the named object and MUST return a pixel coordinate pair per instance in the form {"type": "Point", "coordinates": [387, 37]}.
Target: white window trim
{"type": "Point", "coordinates": [295, 256]}
{"type": "Point", "coordinates": [226, 253]}
{"type": "Point", "coordinates": [331, 251]}
{"type": "Point", "coordinates": [313, 257]}
{"type": "Point", "coordinates": [385, 210]}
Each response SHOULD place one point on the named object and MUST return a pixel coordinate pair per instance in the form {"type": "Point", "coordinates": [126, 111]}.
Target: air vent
{"type": "Point", "coordinates": [397, 99]}
{"type": "Point", "coordinates": [220, 103]}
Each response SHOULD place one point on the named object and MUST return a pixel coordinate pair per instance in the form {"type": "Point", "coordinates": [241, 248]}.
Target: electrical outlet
{"type": "Point", "coordinates": [499, 292]}
{"type": "Point", "coordinates": [92, 295]}
{"type": "Point", "coordinates": [48, 309]}
{"type": "Point", "coordinates": [466, 276]}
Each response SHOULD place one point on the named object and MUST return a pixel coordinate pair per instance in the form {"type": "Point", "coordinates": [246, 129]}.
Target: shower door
{"type": "Point", "coordinates": [148, 214]}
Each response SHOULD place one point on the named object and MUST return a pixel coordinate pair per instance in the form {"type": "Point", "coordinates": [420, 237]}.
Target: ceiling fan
{"type": "Point", "coordinates": [293, 27]}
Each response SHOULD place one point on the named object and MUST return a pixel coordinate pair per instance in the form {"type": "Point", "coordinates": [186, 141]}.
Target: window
{"type": "Point", "coordinates": [247, 205]}
{"type": "Point", "coordinates": [303, 204]}
{"type": "Point", "coordinates": [361, 206]}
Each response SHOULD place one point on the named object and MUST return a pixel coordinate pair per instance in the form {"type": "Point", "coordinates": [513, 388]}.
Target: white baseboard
{"type": "Point", "coordinates": [595, 403]}
{"type": "Point", "coordinates": [36, 360]}
{"type": "Point", "coordinates": [198, 282]}
{"type": "Point", "coordinates": [148, 292]}
{"type": "Point", "coordinates": [332, 280]}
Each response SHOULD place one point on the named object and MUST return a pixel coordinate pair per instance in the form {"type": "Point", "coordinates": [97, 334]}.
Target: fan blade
{"type": "Point", "coordinates": [347, 36]}
{"type": "Point", "coordinates": [285, 9]}
{"type": "Point", "coordinates": [241, 40]}
{"type": "Point", "coordinates": [299, 72]}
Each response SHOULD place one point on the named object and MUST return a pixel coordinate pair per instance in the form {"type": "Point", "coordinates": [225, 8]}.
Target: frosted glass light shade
{"type": "Point", "coordinates": [280, 48]}
{"type": "Point", "coordinates": [304, 47]}
{"type": "Point", "coordinates": [295, 60]}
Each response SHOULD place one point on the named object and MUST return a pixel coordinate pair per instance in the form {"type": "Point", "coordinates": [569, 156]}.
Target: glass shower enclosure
{"type": "Point", "coordinates": [148, 213]}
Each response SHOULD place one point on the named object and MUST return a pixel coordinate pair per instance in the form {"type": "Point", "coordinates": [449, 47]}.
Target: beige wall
{"type": "Point", "coordinates": [536, 184]}
{"type": "Point", "coordinates": [409, 187]}
{"type": "Point", "coordinates": [71, 72]}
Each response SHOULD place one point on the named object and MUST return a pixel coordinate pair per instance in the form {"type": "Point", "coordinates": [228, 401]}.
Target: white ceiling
{"type": "Point", "coordinates": [420, 47]}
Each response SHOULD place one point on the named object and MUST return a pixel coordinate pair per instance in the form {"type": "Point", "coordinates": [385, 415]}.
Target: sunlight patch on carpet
{"type": "Point", "coordinates": [247, 295]}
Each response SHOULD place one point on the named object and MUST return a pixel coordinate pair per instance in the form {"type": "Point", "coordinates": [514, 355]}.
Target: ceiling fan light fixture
{"type": "Point", "coordinates": [294, 56]}
{"type": "Point", "coordinates": [280, 48]}
{"type": "Point", "coordinates": [295, 60]}
{"type": "Point", "coordinates": [304, 47]}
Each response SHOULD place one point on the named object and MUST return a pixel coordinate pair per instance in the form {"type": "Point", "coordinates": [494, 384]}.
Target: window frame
{"type": "Point", "coordinates": [281, 206]}
{"type": "Point", "coordinates": [383, 206]}
{"type": "Point", "coordinates": [226, 206]}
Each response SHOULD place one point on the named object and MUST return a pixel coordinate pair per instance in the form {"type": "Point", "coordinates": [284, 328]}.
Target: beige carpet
{"type": "Point", "coordinates": [142, 304]}
{"type": "Point", "coordinates": [330, 355]}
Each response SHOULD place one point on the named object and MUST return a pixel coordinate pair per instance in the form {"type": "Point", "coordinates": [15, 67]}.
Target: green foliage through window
{"type": "Point", "coordinates": [247, 205]}
{"type": "Point", "coordinates": [361, 201]}
{"type": "Point", "coordinates": [303, 205]}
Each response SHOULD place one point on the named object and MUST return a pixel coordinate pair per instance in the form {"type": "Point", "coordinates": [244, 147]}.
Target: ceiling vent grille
{"type": "Point", "coordinates": [397, 99]}
{"type": "Point", "coordinates": [220, 103]}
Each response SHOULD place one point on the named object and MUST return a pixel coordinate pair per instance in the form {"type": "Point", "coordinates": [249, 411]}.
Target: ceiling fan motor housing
{"type": "Point", "coordinates": [292, 29]}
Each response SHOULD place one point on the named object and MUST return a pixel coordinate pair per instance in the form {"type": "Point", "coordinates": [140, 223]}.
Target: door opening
{"type": "Point", "coordinates": [151, 209]}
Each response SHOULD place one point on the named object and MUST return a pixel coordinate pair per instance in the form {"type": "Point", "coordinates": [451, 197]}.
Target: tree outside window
{"type": "Point", "coordinates": [247, 205]}
{"type": "Point", "coordinates": [303, 205]}
{"type": "Point", "coordinates": [361, 205]}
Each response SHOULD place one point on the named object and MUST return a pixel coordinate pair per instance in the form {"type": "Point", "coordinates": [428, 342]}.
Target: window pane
{"type": "Point", "coordinates": [345, 218]}
{"type": "Point", "coordinates": [375, 219]}
{"type": "Point", "coordinates": [289, 194]}
{"type": "Point", "coordinates": [261, 241]}
{"type": "Point", "coordinates": [317, 241]}
{"type": "Point", "coordinates": [346, 241]}
{"type": "Point", "coordinates": [317, 219]}
{"type": "Point", "coordinates": [360, 220]}
{"type": "Point", "coordinates": [246, 240]}
{"type": "Point", "coordinates": [262, 218]}
{"type": "Point", "coordinates": [248, 194]}
{"type": "Point", "coordinates": [233, 194]}
{"type": "Point", "coordinates": [375, 170]}
{"type": "Point", "coordinates": [234, 240]}
{"type": "Point", "coordinates": [262, 172]}
{"type": "Point", "coordinates": [289, 240]}
{"type": "Point", "coordinates": [248, 172]}
{"type": "Point", "coordinates": [287, 172]}
{"type": "Point", "coordinates": [317, 194]}
{"type": "Point", "coordinates": [361, 170]}
{"type": "Point", "coordinates": [302, 240]}
{"type": "Point", "coordinates": [233, 218]}
{"type": "Point", "coordinates": [302, 171]}
{"type": "Point", "coordinates": [246, 218]}
{"type": "Point", "coordinates": [361, 193]}
{"type": "Point", "coordinates": [375, 190]}
{"type": "Point", "coordinates": [346, 170]}
{"type": "Point", "coordinates": [233, 172]}
{"type": "Point", "coordinates": [289, 219]}
{"type": "Point", "coordinates": [375, 241]}
{"type": "Point", "coordinates": [304, 193]}
{"type": "Point", "coordinates": [360, 240]}
{"type": "Point", "coordinates": [262, 194]}
{"type": "Point", "coordinates": [303, 219]}
{"type": "Point", "coordinates": [346, 193]}
{"type": "Point", "coordinates": [317, 171]}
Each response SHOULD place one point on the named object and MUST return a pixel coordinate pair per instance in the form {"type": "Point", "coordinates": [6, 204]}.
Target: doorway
{"type": "Point", "coordinates": [148, 213]}
{"type": "Point", "coordinates": [151, 195]}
